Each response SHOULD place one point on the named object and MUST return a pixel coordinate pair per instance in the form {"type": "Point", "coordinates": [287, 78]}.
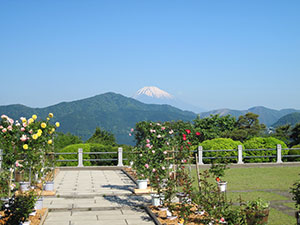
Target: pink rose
{"type": "Point", "coordinates": [148, 141]}
{"type": "Point", "coordinates": [129, 134]}
{"type": "Point", "coordinates": [159, 136]}
{"type": "Point", "coordinates": [163, 168]}
{"type": "Point", "coordinates": [1, 127]}
{"type": "Point", "coordinates": [11, 121]}
{"type": "Point", "coordinates": [158, 124]}
{"type": "Point", "coordinates": [147, 166]}
{"type": "Point", "coordinates": [163, 128]}
{"type": "Point", "coordinates": [4, 130]}
{"type": "Point", "coordinates": [151, 146]}
{"type": "Point", "coordinates": [165, 152]}
{"type": "Point", "coordinates": [167, 143]}
{"type": "Point", "coordinates": [24, 124]}
{"type": "Point", "coordinates": [171, 132]}
{"type": "Point", "coordinates": [153, 151]}
{"type": "Point", "coordinates": [153, 170]}
{"type": "Point", "coordinates": [148, 145]}
{"type": "Point", "coordinates": [23, 138]}
{"type": "Point", "coordinates": [131, 130]}
{"type": "Point", "coordinates": [9, 128]}
{"type": "Point", "coordinates": [23, 129]}
{"type": "Point", "coordinates": [30, 131]}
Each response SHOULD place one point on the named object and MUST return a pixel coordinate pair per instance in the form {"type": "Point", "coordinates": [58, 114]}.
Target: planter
{"type": "Point", "coordinates": [24, 186]}
{"type": "Point", "coordinates": [222, 185]}
{"type": "Point", "coordinates": [18, 176]}
{"type": "Point", "coordinates": [39, 203]}
{"type": "Point", "coordinates": [257, 217]}
{"type": "Point", "coordinates": [49, 186]}
{"type": "Point", "coordinates": [142, 184]}
{"type": "Point", "coordinates": [25, 223]}
{"type": "Point", "coordinates": [156, 199]}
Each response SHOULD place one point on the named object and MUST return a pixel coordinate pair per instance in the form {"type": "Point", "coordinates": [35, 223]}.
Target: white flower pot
{"type": "Point", "coordinates": [25, 223]}
{"type": "Point", "coordinates": [49, 186]}
{"type": "Point", "coordinates": [142, 184]}
{"type": "Point", "coordinates": [39, 203]}
{"type": "Point", "coordinates": [24, 186]}
{"type": "Point", "coordinates": [157, 200]}
{"type": "Point", "coordinates": [222, 186]}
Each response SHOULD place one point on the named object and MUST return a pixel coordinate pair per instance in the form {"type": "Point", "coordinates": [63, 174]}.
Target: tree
{"type": "Point", "coordinates": [283, 133]}
{"type": "Point", "coordinates": [247, 126]}
{"type": "Point", "coordinates": [295, 134]}
{"type": "Point", "coordinates": [215, 126]}
{"type": "Point", "coordinates": [102, 137]}
{"type": "Point", "coordinates": [62, 140]}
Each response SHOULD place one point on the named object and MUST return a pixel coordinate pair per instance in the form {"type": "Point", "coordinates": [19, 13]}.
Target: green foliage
{"type": "Point", "coordinates": [294, 152]}
{"type": "Point", "coordinates": [62, 140]}
{"type": "Point", "coordinates": [247, 126]}
{"type": "Point", "coordinates": [263, 143]}
{"type": "Point", "coordinates": [104, 157]}
{"type": "Point", "coordinates": [283, 133]}
{"type": "Point", "coordinates": [295, 191]}
{"type": "Point", "coordinates": [220, 144]}
{"type": "Point", "coordinates": [18, 208]}
{"type": "Point", "coordinates": [214, 126]}
{"type": "Point", "coordinates": [102, 137]}
{"type": "Point", "coordinates": [295, 134]}
{"type": "Point", "coordinates": [74, 148]}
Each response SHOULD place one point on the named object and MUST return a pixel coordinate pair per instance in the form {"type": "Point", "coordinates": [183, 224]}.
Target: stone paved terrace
{"type": "Point", "coordinates": [95, 197]}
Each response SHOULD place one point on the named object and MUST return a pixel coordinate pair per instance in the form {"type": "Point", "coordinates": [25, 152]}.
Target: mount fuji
{"type": "Point", "coordinates": [154, 95]}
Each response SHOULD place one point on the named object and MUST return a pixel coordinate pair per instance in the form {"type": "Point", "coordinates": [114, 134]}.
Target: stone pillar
{"type": "Point", "coordinates": [240, 154]}
{"type": "Point", "coordinates": [200, 155]}
{"type": "Point", "coordinates": [1, 158]}
{"type": "Point", "coordinates": [279, 156]}
{"type": "Point", "coordinates": [80, 157]}
{"type": "Point", "coordinates": [120, 156]}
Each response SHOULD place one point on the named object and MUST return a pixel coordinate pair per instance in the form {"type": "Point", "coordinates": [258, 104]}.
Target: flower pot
{"type": "Point", "coordinates": [49, 186]}
{"type": "Point", "coordinates": [142, 184]}
{"type": "Point", "coordinates": [157, 200]}
{"type": "Point", "coordinates": [39, 203]}
{"type": "Point", "coordinates": [25, 223]}
{"type": "Point", "coordinates": [222, 185]}
{"type": "Point", "coordinates": [257, 217]}
{"type": "Point", "coordinates": [18, 176]}
{"type": "Point", "coordinates": [24, 186]}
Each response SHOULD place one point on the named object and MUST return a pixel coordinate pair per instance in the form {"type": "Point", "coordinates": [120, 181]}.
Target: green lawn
{"type": "Point", "coordinates": [263, 182]}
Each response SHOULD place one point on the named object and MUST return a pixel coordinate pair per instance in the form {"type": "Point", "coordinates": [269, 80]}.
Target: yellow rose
{"type": "Point", "coordinates": [48, 118]}
{"type": "Point", "coordinates": [25, 146]}
{"type": "Point", "coordinates": [30, 121]}
{"type": "Point", "coordinates": [40, 131]}
{"type": "Point", "coordinates": [34, 136]}
{"type": "Point", "coordinates": [24, 120]}
{"type": "Point", "coordinates": [57, 124]}
{"type": "Point", "coordinates": [50, 115]}
{"type": "Point", "coordinates": [53, 129]}
{"type": "Point", "coordinates": [34, 117]}
{"type": "Point", "coordinates": [50, 142]}
{"type": "Point", "coordinates": [43, 125]}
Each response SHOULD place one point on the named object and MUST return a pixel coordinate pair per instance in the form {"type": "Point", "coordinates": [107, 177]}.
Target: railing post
{"type": "Point", "coordinates": [240, 154]}
{"type": "Point", "coordinates": [279, 156]}
{"type": "Point", "coordinates": [80, 157]}
{"type": "Point", "coordinates": [120, 156]}
{"type": "Point", "coordinates": [200, 155]}
{"type": "Point", "coordinates": [1, 157]}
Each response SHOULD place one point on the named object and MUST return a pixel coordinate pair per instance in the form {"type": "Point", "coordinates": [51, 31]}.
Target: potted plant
{"type": "Point", "coordinates": [218, 170]}
{"type": "Point", "coordinates": [257, 212]}
{"type": "Point", "coordinates": [295, 191]}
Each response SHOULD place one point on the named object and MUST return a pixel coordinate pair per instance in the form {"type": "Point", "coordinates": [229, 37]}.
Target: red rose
{"type": "Point", "coordinates": [197, 133]}
{"type": "Point", "coordinates": [189, 143]}
{"type": "Point", "coordinates": [184, 138]}
{"type": "Point", "coordinates": [218, 179]}
{"type": "Point", "coordinates": [188, 131]}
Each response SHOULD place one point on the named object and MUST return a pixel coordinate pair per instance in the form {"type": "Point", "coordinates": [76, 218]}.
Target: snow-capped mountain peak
{"type": "Point", "coordinates": [153, 92]}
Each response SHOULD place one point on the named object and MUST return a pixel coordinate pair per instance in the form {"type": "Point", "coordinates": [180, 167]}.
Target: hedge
{"type": "Point", "coordinates": [263, 143]}
{"type": "Point", "coordinates": [294, 152]}
{"type": "Point", "coordinates": [220, 144]}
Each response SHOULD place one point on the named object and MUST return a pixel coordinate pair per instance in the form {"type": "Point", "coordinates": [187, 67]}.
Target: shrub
{"type": "Point", "coordinates": [220, 144]}
{"type": "Point", "coordinates": [263, 143]}
{"type": "Point", "coordinates": [294, 152]}
{"type": "Point", "coordinates": [74, 148]}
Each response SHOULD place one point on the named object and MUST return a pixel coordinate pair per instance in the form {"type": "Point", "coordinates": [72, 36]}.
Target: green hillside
{"type": "Point", "coordinates": [110, 111]}
{"type": "Point", "coordinates": [292, 119]}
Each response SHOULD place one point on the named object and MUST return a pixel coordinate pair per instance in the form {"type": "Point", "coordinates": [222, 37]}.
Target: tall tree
{"type": "Point", "coordinates": [283, 133]}
{"type": "Point", "coordinates": [248, 126]}
{"type": "Point", "coordinates": [62, 140]}
{"type": "Point", "coordinates": [102, 137]}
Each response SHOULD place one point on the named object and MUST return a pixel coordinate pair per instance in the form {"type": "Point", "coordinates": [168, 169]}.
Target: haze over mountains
{"type": "Point", "coordinates": [118, 114]}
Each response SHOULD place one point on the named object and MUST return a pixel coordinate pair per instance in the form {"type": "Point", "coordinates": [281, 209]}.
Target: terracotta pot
{"type": "Point", "coordinates": [257, 217]}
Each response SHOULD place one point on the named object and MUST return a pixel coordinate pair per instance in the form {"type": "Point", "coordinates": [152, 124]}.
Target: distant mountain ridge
{"type": "Point", "coordinates": [266, 115]}
{"type": "Point", "coordinates": [292, 119]}
{"type": "Point", "coordinates": [112, 112]}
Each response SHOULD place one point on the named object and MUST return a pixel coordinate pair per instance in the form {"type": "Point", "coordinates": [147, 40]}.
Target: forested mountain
{"type": "Point", "coordinates": [292, 119]}
{"type": "Point", "coordinates": [110, 111]}
{"type": "Point", "coordinates": [266, 116]}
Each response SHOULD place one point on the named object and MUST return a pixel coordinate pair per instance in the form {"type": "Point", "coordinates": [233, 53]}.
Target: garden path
{"type": "Point", "coordinates": [95, 197]}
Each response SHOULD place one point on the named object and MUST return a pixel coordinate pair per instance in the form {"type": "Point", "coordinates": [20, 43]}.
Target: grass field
{"type": "Point", "coordinates": [269, 183]}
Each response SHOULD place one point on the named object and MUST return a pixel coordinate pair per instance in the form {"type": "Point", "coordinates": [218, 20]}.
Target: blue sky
{"type": "Point", "coordinates": [213, 54]}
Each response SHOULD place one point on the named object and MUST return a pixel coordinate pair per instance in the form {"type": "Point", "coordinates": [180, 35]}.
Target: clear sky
{"type": "Point", "coordinates": [213, 54]}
